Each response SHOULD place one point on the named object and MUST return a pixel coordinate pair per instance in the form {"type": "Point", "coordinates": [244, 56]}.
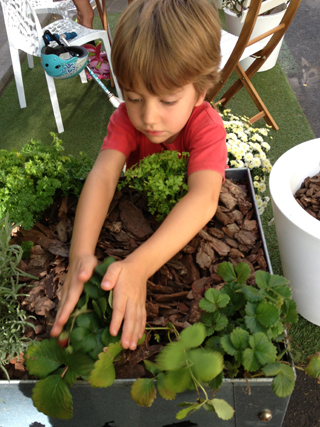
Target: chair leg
{"type": "Point", "coordinates": [55, 103]}
{"type": "Point", "coordinates": [16, 65]}
{"type": "Point", "coordinates": [108, 52]}
{"type": "Point", "coordinates": [30, 61]}
{"type": "Point", "coordinates": [83, 77]}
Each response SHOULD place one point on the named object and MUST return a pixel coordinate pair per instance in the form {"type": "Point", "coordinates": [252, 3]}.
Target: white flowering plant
{"type": "Point", "coordinates": [247, 148]}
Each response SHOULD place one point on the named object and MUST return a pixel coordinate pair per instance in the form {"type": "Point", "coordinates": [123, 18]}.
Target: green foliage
{"type": "Point", "coordinates": [30, 178]}
{"type": "Point", "coordinates": [161, 179]}
{"type": "Point", "coordinates": [253, 324]}
{"type": "Point", "coordinates": [13, 320]}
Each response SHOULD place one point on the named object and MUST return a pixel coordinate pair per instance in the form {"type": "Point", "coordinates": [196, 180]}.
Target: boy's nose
{"type": "Point", "coordinates": [150, 114]}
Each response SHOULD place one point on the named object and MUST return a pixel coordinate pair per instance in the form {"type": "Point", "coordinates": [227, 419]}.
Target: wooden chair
{"type": "Point", "coordinates": [244, 47]}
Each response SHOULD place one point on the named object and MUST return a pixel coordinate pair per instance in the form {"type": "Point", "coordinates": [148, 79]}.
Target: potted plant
{"type": "Point", "coordinates": [272, 12]}
{"type": "Point", "coordinates": [298, 232]}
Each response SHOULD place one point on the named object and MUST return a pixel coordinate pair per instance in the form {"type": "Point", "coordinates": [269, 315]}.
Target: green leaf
{"type": "Point", "coordinates": [289, 309]}
{"type": "Point", "coordinates": [283, 383]}
{"type": "Point", "coordinates": [177, 381]}
{"type": "Point", "coordinates": [102, 268]}
{"type": "Point", "coordinates": [214, 344]}
{"type": "Point", "coordinates": [188, 411]}
{"type": "Point", "coordinates": [193, 336]}
{"type": "Point", "coordinates": [235, 343]}
{"type": "Point", "coordinates": [172, 356]}
{"type": "Point", "coordinates": [151, 367]}
{"type": "Point", "coordinates": [261, 353]}
{"type": "Point", "coordinates": [243, 272]}
{"type": "Point", "coordinates": [222, 408]}
{"type": "Point", "coordinates": [226, 271]}
{"type": "Point", "coordinates": [272, 369]}
{"type": "Point", "coordinates": [143, 391]}
{"type": "Point", "coordinates": [107, 338]}
{"type": "Point", "coordinates": [252, 294]}
{"type": "Point", "coordinates": [267, 314]}
{"type": "Point", "coordinates": [91, 290]}
{"type": "Point", "coordinates": [217, 382]}
{"type": "Point", "coordinates": [205, 366]}
{"type": "Point", "coordinates": [89, 321]}
{"type": "Point", "coordinates": [214, 322]}
{"type": "Point", "coordinates": [164, 392]}
{"type": "Point", "coordinates": [283, 291]}
{"type": "Point", "coordinates": [83, 339]}
{"type": "Point", "coordinates": [52, 397]}
{"type": "Point", "coordinates": [213, 300]}
{"type": "Point", "coordinates": [43, 358]}
{"type": "Point", "coordinates": [103, 374]}
{"type": "Point", "coordinates": [313, 366]}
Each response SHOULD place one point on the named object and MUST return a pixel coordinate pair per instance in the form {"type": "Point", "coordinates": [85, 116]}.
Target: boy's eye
{"type": "Point", "coordinates": [168, 102]}
{"type": "Point", "coordinates": [134, 100]}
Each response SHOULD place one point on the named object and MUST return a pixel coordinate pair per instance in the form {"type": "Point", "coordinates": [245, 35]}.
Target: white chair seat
{"type": "Point", "coordinates": [25, 33]}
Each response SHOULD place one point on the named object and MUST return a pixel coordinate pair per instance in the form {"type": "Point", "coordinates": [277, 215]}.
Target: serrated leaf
{"type": "Point", "coordinates": [102, 268]}
{"type": "Point", "coordinates": [214, 344]}
{"type": "Point", "coordinates": [289, 310]}
{"type": "Point", "coordinates": [89, 321]}
{"type": "Point", "coordinates": [217, 382]}
{"type": "Point", "coordinates": [252, 294]}
{"type": "Point", "coordinates": [177, 381]}
{"type": "Point", "coordinates": [272, 369]}
{"type": "Point", "coordinates": [91, 290]}
{"type": "Point", "coordinates": [313, 366]}
{"type": "Point", "coordinates": [213, 300]}
{"type": "Point", "coordinates": [52, 397]}
{"type": "Point", "coordinates": [243, 272]}
{"type": "Point", "coordinates": [143, 392]}
{"type": "Point", "coordinates": [235, 343]}
{"type": "Point", "coordinates": [222, 408]}
{"type": "Point", "coordinates": [205, 366]}
{"type": "Point", "coordinates": [251, 320]}
{"type": "Point", "coordinates": [283, 291]}
{"type": "Point", "coordinates": [187, 411]}
{"type": "Point", "coordinates": [193, 336]}
{"type": "Point", "coordinates": [43, 358]}
{"type": "Point", "coordinates": [226, 271]}
{"type": "Point", "coordinates": [214, 322]}
{"type": "Point", "coordinates": [82, 339]}
{"type": "Point", "coordinates": [69, 377]}
{"type": "Point", "coordinates": [267, 314]}
{"type": "Point", "coordinates": [98, 348]}
{"type": "Point", "coordinates": [283, 383]}
{"type": "Point", "coordinates": [162, 389]}
{"type": "Point", "coordinates": [171, 357]}
{"type": "Point", "coordinates": [261, 278]}
{"type": "Point", "coordinates": [151, 367]}
{"type": "Point", "coordinates": [108, 339]}
{"type": "Point", "coordinates": [262, 352]}
{"type": "Point", "coordinates": [110, 298]}
{"type": "Point", "coordinates": [97, 309]}
{"type": "Point", "coordinates": [103, 373]}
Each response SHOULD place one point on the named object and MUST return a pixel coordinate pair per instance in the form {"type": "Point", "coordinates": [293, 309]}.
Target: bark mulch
{"type": "Point", "coordinates": [173, 293]}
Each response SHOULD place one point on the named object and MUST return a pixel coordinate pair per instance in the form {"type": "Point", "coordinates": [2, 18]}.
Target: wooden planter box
{"type": "Point", "coordinates": [114, 407]}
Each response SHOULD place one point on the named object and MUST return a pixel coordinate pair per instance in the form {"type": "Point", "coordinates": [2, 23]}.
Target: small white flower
{"type": "Point", "coordinates": [256, 162]}
{"type": "Point", "coordinates": [248, 157]}
{"type": "Point", "coordinates": [262, 187]}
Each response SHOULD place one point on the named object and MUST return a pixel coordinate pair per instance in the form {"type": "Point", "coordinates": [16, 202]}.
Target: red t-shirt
{"type": "Point", "coordinates": [203, 136]}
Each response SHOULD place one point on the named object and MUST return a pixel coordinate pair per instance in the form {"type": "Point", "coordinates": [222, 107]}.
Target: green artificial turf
{"type": "Point", "coordinates": [86, 112]}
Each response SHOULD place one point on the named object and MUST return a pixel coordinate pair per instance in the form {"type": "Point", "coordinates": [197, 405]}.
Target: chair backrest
{"type": "Point", "coordinates": [256, 7]}
{"type": "Point", "coordinates": [244, 37]}
{"type": "Point", "coordinates": [22, 25]}
{"type": "Point", "coordinates": [65, 8]}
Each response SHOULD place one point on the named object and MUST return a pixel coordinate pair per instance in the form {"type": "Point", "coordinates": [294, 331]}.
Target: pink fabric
{"type": "Point", "coordinates": [204, 137]}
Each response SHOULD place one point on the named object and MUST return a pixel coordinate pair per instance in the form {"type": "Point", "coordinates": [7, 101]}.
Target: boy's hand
{"type": "Point", "coordinates": [129, 301]}
{"type": "Point", "coordinates": [79, 271]}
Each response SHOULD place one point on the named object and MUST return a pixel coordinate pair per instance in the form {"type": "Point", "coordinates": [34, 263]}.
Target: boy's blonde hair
{"type": "Point", "coordinates": [167, 44]}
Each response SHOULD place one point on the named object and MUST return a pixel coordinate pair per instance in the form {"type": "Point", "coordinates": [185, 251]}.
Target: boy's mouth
{"type": "Point", "coordinates": [153, 132]}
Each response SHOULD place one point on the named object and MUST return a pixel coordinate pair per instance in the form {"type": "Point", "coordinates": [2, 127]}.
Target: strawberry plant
{"type": "Point", "coordinates": [241, 333]}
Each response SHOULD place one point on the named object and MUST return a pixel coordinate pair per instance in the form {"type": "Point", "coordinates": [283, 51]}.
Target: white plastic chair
{"type": "Point", "coordinates": [65, 8]}
{"type": "Point", "coordinates": [25, 33]}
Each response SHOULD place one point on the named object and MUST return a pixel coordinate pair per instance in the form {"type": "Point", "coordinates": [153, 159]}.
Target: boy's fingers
{"type": "Point", "coordinates": [111, 277]}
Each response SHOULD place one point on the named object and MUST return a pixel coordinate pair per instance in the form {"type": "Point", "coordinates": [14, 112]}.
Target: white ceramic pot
{"type": "Point", "coordinates": [264, 23]}
{"type": "Point", "coordinates": [297, 231]}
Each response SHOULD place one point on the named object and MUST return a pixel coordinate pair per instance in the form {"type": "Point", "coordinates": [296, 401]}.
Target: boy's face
{"type": "Point", "coordinates": [161, 118]}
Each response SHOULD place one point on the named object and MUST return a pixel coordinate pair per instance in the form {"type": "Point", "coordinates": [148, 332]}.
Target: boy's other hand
{"type": "Point", "coordinates": [129, 301]}
{"type": "Point", "coordinates": [79, 271]}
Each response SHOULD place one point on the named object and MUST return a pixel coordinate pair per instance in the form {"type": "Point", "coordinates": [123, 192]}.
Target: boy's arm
{"type": "Point", "coordinates": [91, 212]}
{"type": "Point", "coordinates": [130, 275]}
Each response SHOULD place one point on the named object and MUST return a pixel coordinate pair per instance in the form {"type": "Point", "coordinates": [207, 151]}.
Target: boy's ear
{"type": "Point", "coordinates": [200, 99]}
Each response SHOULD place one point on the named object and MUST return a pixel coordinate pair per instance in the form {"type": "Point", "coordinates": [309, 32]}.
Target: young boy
{"type": "Point", "coordinates": [165, 55]}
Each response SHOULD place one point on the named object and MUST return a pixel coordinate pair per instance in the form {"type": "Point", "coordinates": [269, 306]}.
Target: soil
{"type": "Point", "coordinates": [308, 196]}
{"type": "Point", "coordinates": [173, 293]}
